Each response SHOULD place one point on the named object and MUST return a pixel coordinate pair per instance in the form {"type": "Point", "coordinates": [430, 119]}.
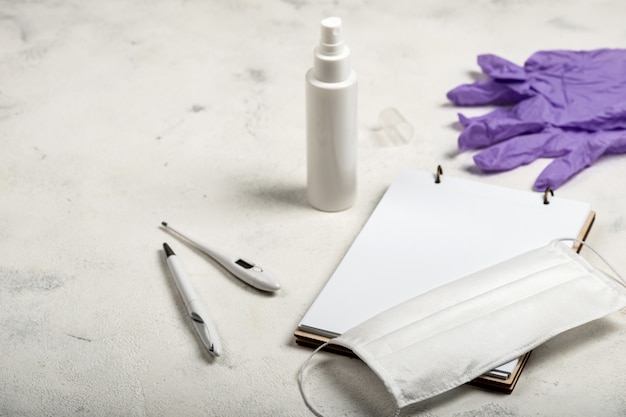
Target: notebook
{"type": "Point", "coordinates": [423, 234]}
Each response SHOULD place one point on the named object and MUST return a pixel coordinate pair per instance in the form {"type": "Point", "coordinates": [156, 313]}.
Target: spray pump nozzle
{"type": "Point", "coordinates": [331, 39]}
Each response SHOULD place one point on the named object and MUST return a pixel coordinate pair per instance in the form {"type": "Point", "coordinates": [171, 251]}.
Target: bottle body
{"type": "Point", "coordinates": [331, 142]}
{"type": "Point", "coordinates": [331, 124]}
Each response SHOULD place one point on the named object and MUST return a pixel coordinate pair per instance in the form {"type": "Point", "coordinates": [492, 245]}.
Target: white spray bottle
{"type": "Point", "coordinates": [331, 112]}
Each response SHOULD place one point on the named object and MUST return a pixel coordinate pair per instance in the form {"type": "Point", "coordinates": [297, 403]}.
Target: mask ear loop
{"type": "Point", "coordinates": [301, 380]}
{"type": "Point", "coordinates": [618, 278]}
{"type": "Point", "coordinates": [301, 383]}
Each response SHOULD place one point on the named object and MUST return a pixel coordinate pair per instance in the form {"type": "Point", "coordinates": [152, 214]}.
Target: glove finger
{"type": "Point", "coordinates": [489, 131]}
{"type": "Point", "coordinates": [500, 68]}
{"type": "Point", "coordinates": [528, 116]}
{"type": "Point", "coordinates": [484, 92]}
{"type": "Point", "coordinates": [515, 152]}
{"type": "Point", "coordinates": [560, 170]}
{"type": "Point", "coordinates": [585, 149]}
{"type": "Point", "coordinates": [494, 114]}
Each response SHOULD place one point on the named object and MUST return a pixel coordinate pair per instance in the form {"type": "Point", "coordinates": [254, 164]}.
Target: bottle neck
{"type": "Point", "coordinates": [331, 68]}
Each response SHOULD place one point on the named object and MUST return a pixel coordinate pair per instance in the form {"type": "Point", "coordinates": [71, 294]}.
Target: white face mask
{"type": "Point", "coordinates": [453, 334]}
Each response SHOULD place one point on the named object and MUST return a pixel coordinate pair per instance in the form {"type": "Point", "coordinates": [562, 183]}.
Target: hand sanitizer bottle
{"type": "Point", "coordinates": [331, 110]}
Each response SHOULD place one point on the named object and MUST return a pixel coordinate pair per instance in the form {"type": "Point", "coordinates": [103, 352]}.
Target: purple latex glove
{"type": "Point", "coordinates": [573, 151]}
{"type": "Point", "coordinates": [569, 89]}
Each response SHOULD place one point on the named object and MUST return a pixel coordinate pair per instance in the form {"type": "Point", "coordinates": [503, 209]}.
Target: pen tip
{"type": "Point", "coordinates": [164, 224]}
{"type": "Point", "coordinates": [168, 251]}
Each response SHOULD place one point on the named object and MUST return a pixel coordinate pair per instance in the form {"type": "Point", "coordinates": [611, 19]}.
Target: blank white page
{"type": "Point", "coordinates": [423, 235]}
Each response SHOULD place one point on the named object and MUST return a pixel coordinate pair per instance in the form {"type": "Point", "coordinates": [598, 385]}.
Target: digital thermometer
{"type": "Point", "coordinates": [247, 271]}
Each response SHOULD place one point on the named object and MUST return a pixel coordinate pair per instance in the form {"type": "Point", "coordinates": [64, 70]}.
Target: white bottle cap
{"type": "Point", "coordinates": [331, 59]}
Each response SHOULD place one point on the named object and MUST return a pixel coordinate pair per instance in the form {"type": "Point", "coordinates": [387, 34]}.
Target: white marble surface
{"type": "Point", "coordinates": [116, 115]}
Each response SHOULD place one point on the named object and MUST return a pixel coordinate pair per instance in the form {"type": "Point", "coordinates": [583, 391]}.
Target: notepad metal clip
{"type": "Point", "coordinates": [545, 195]}
{"type": "Point", "coordinates": [438, 174]}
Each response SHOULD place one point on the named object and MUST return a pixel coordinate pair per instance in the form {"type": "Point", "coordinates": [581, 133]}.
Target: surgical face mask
{"type": "Point", "coordinates": [455, 333]}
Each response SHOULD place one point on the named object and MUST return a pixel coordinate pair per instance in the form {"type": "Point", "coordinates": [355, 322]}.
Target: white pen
{"type": "Point", "coordinates": [247, 271]}
{"type": "Point", "coordinates": [196, 309]}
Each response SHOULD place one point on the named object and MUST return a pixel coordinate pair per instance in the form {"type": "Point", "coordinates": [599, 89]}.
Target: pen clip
{"type": "Point", "coordinates": [203, 332]}
{"type": "Point", "coordinates": [205, 329]}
